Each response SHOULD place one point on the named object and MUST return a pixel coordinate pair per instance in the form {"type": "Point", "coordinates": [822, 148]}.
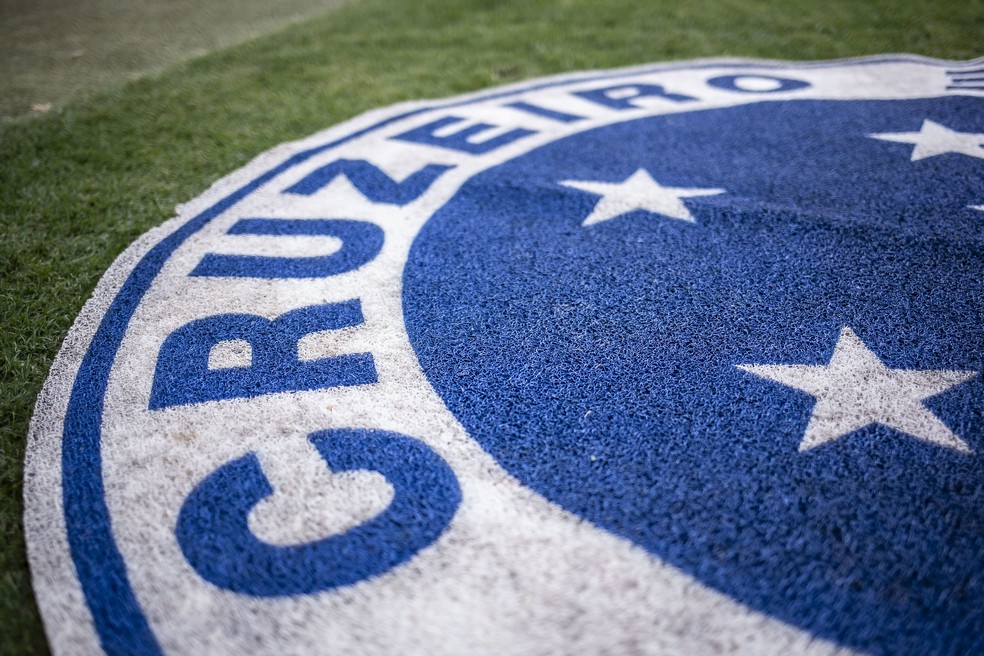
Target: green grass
{"type": "Point", "coordinates": [79, 184]}
{"type": "Point", "coordinates": [54, 50]}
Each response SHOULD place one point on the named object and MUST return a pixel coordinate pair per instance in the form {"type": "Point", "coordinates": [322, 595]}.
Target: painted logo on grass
{"type": "Point", "coordinates": [654, 360]}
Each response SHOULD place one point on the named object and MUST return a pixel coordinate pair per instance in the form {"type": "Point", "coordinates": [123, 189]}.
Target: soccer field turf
{"type": "Point", "coordinates": [52, 51]}
{"type": "Point", "coordinates": [78, 185]}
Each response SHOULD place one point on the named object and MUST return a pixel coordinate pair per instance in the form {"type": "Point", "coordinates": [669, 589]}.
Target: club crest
{"type": "Point", "coordinates": [639, 361]}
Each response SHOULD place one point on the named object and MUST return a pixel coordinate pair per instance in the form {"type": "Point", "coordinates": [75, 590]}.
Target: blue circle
{"type": "Point", "coordinates": [598, 363]}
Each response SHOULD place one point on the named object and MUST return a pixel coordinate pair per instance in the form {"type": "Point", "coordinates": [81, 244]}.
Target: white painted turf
{"type": "Point", "coordinates": [513, 574]}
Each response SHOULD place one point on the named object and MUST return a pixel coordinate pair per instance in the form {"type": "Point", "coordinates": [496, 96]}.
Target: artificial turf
{"type": "Point", "coordinates": [80, 183]}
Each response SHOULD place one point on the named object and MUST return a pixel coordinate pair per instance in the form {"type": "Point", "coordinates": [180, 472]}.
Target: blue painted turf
{"type": "Point", "coordinates": [598, 363]}
{"type": "Point", "coordinates": [120, 622]}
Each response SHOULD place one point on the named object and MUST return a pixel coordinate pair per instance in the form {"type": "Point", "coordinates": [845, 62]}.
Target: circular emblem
{"type": "Point", "coordinates": [672, 359]}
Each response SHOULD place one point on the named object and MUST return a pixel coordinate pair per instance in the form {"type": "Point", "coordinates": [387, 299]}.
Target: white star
{"type": "Point", "coordinates": [638, 192]}
{"type": "Point", "coordinates": [979, 208]}
{"type": "Point", "coordinates": [856, 389]}
{"type": "Point", "coordinates": [935, 139]}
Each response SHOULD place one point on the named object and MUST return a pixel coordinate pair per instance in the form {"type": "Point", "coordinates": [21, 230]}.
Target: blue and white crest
{"type": "Point", "coordinates": [674, 359]}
